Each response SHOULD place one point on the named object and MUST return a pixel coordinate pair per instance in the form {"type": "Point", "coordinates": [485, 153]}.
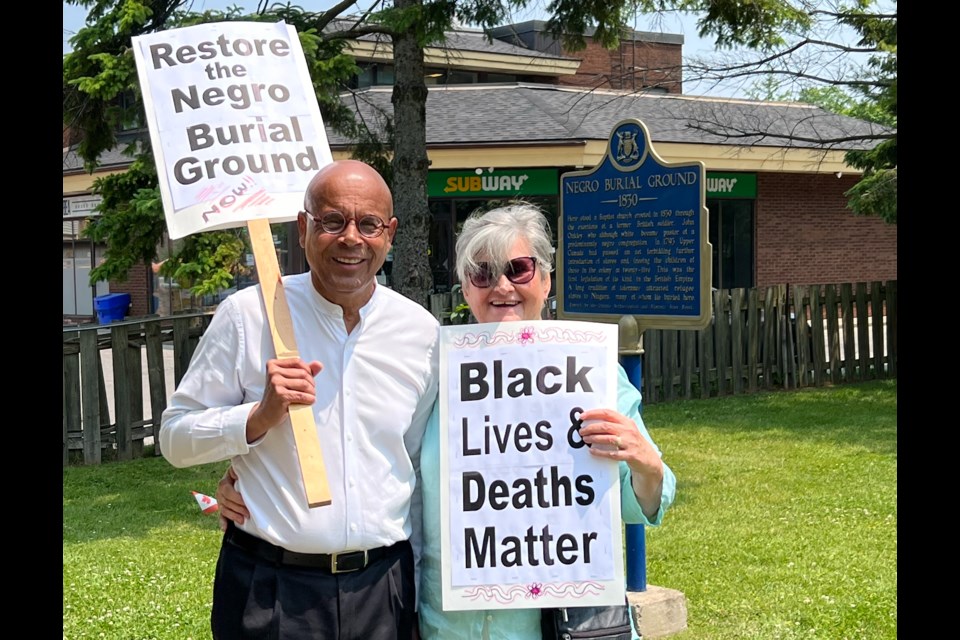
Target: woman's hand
{"type": "Point", "coordinates": [620, 440]}
{"type": "Point", "coordinates": [229, 500]}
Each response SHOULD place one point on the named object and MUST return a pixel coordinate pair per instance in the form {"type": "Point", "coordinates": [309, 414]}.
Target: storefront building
{"type": "Point", "coordinates": [778, 212]}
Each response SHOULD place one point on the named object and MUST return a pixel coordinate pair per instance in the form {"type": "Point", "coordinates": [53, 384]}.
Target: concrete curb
{"type": "Point", "coordinates": [658, 612]}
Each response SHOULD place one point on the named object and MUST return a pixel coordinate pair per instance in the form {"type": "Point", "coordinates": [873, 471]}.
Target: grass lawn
{"type": "Point", "coordinates": [785, 525]}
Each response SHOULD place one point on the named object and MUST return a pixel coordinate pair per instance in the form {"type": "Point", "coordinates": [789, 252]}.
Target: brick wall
{"type": "Point", "coordinates": [633, 66]}
{"type": "Point", "coordinates": [806, 235]}
{"type": "Point", "coordinates": [137, 285]}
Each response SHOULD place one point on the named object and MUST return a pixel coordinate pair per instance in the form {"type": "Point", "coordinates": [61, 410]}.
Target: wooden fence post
{"type": "Point", "coordinates": [90, 395]}
{"type": "Point", "coordinates": [892, 328]}
{"type": "Point", "coordinates": [863, 332]}
{"type": "Point", "coordinates": [849, 344]}
{"type": "Point", "coordinates": [877, 326]}
{"type": "Point", "coordinates": [833, 333]}
{"type": "Point", "coordinates": [156, 374]}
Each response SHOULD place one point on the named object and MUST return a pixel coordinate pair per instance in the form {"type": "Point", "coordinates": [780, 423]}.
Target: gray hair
{"type": "Point", "coordinates": [490, 235]}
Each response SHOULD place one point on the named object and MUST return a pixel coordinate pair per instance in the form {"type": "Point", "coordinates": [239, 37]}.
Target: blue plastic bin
{"type": "Point", "coordinates": [111, 307]}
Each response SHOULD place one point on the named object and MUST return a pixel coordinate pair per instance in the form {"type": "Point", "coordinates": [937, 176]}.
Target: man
{"type": "Point", "coordinates": [369, 367]}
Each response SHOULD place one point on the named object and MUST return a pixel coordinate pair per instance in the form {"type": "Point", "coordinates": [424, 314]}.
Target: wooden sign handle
{"type": "Point", "coordinates": [312, 467]}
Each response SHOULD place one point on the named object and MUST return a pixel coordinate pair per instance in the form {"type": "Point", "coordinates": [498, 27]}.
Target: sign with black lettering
{"type": "Point", "coordinates": [633, 238]}
{"type": "Point", "coordinates": [529, 517]}
{"type": "Point", "coordinates": [234, 122]}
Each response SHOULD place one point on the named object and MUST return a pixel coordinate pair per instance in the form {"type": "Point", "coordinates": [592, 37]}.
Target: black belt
{"type": "Point", "coordinates": [342, 562]}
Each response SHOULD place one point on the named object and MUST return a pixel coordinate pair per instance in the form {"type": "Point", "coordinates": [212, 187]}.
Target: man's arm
{"type": "Point", "coordinates": [206, 418]}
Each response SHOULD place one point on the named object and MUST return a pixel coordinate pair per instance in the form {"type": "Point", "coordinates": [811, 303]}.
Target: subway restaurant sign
{"type": "Point", "coordinates": [731, 185]}
{"type": "Point", "coordinates": [492, 183]}
{"type": "Point", "coordinates": [543, 182]}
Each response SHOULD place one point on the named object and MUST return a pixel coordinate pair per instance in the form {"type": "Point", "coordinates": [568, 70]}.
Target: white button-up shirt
{"type": "Point", "coordinates": [374, 396]}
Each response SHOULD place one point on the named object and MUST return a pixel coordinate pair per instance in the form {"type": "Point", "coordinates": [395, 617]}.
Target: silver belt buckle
{"type": "Point", "coordinates": [335, 562]}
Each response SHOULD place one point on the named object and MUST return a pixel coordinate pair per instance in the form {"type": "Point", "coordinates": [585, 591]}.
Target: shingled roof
{"type": "Point", "coordinates": [512, 113]}
{"type": "Point", "coordinates": [525, 112]}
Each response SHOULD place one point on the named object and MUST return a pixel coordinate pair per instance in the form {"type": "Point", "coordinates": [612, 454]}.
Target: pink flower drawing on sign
{"type": "Point", "coordinates": [526, 335]}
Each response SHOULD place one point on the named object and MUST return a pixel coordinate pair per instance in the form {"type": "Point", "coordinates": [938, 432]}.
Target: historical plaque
{"type": "Point", "coordinates": [633, 237]}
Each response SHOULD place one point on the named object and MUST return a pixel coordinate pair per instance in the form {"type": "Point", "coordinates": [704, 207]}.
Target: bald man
{"type": "Point", "coordinates": [368, 366]}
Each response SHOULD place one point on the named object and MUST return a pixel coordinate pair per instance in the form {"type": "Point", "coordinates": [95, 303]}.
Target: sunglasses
{"type": "Point", "coordinates": [518, 271]}
{"type": "Point", "coordinates": [334, 222]}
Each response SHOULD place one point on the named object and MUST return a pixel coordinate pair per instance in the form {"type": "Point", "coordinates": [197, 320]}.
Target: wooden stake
{"type": "Point", "coordinates": [312, 467]}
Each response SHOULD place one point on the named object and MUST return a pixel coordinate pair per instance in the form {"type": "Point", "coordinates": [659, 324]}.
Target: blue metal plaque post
{"type": "Point", "coordinates": [635, 533]}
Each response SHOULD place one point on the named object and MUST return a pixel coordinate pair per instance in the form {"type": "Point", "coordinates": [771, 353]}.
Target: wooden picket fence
{"type": "Point", "coordinates": [89, 433]}
{"type": "Point", "coordinates": [781, 337]}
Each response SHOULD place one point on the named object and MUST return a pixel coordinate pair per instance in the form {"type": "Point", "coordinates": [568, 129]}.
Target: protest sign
{"type": "Point", "coordinates": [530, 519]}
{"type": "Point", "coordinates": [234, 123]}
{"type": "Point", "coordinates": [237, 135]}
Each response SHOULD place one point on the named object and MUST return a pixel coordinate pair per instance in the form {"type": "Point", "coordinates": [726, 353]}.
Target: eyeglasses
{"type": "Point", "coordinates": [369, 226]}
{"type": "Point", "coordinates": [518, 271]}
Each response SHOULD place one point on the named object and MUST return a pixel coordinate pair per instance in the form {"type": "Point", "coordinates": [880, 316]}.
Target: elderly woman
{"type": "Point", "coordinates": [504, 260]}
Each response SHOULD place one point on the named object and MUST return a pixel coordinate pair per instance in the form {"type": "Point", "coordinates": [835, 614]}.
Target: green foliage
{"type": "Point", "coordinates": [131, 219]}
{"type": "Point", "coordinates": [208, 262]}
{"type": "Point", "coordinates": [100, 76]}
{"type": "Point", "coordinates": [876, 193]}
{"type": "Point", "coordinates": [785, 525]}
{"type": "Point", "coordinates": [460, 314]}
{"type": "Point", "coordinates": [872, 96]}
{"type": "Point", "coordinates": [757, 24]}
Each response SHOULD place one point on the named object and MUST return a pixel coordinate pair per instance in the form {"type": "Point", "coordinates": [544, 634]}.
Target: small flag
{"type": "Point", "coordinates": [206, 503]}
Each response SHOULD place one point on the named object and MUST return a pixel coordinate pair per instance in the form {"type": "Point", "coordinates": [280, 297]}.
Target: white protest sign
{"type": "Point", "coordinates": [529, 517]}
{"type": "Point", "coordinates": [234, 123]}
{"type": "Point", "coordinates": [237, 136]}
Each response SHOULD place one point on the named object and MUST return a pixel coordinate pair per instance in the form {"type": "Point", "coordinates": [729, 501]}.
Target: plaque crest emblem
{"type": "Point", "coordinates": [627, 149]}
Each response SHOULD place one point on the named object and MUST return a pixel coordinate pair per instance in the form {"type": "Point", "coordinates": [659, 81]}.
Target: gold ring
{"type": "Point", "coordinates": [619, 443]}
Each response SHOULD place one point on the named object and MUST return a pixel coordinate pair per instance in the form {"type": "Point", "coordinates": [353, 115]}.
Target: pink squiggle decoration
{"type": "Point", "coordinates": [570, 336]}
{"type": "Point", "coordinates": [497, 593]}
{"type": "Point", "coordinates": [574, 590]}
{"type": "Point", "coordinates": [551, 334]}
{"type": "Point", "coordinates": [507, 594]}
{"type": "Point", "coordinates": [469, 340]}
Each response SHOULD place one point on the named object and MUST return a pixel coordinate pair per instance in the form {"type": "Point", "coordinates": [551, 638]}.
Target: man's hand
{"type": "Point", "coordinates": [289, 381]}
{"type": "Point", "coordinates": [229, 500]}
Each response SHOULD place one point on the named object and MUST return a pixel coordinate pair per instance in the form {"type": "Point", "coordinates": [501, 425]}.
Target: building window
{"type": "Point", "coordinates": [372, 75]}
{"type": "Point", "coordinates": [129, 113]}
{"type": "Point", "coordinates": [731, 234]}
{"type": "Point", "coordinates": [79, 257]}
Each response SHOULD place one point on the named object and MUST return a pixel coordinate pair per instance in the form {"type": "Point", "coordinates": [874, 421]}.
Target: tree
{"type": "Point", "coordinates": [814, 62]}
{"type": "Point", "coordinates": [99, 78]}
{"type": "Point", "coordinates": [100, 71]}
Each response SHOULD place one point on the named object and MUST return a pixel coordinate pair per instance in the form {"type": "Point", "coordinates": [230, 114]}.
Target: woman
{"type": "Point", "coordinates": [504, 260]}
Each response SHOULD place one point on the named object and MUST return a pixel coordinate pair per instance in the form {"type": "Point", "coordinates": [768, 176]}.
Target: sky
{"type": "Point", "coordinates": [73, 20]}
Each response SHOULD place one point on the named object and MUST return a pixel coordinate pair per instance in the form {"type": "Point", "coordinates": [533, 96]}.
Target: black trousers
{"type": "Point", "coordinates": [257, 599]}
